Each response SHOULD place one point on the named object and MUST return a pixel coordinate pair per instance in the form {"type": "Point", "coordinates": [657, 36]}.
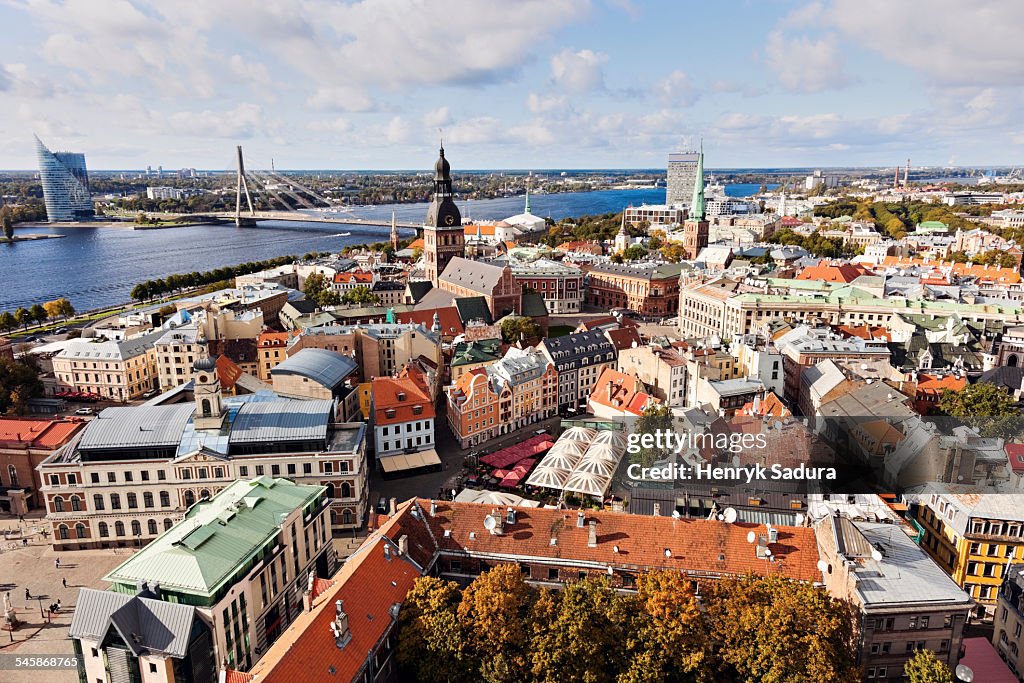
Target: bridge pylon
{"type": "Point", "coordinates": [249, 220]}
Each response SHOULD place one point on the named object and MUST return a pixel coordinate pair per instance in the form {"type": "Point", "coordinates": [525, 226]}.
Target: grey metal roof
{"type": "Point", "coordinates": [324, 367]}
{"type": "Point", "coordinates": [646, 271]}
{"type": "Point", "coordinates": [478, 276]}
{"type": "Point", "coordinates": [571, 348]}
{"type": "Point", "coordinates": [136, 427]}
{"type": "Point", "coordinates": [282, 421]}
{"type": "Point", "coordinates": [145, 625]}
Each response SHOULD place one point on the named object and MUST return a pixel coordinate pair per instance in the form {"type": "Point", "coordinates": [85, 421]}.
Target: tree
{"type": "Point", "coordinates": [360, 295]}
{"type": "Point", "coordinates": [417, 253]}
{"type": "Point", "coordinates": [773, 630]}
{"type": "Point", "coordinates": [495, 611]}
{"type": "Point", "coordinates": [7, 222]}
{"type": "Point", "coordinates": [432, 645]}
{"type": "Point", "coordinates": [655, 418]}
{"type": "Point", "coordinates": [52, 308]}
{"type": "Point", "coordinates": [983, 406]}
{"type": "Point", "coordinates": [38, 313]}
{"type": "Point", "coordinates": [18, 383]}
{"type": "Point", "coordinates": [673, 252]}
{"type": "Point", "coordinates": [634, 253]}
{"type": "Point", "coordinates": [23, 317]}
{"type": "Point", "coordinates": [140, 292]}
{"type": "Point", "coordinates": [318, 290]}
{"type": "Point", "coordinates": [7, 321]}
{"type": "Point", "coordinates": [668, 639]}
{"type": "Point", "coordinates": [925, 667]}
{"type": "Point", "coordinates": [520, 328]}
{"type": "Point", "coordinates": [66, 309]}
{"type": "Point", "coordinates": [580, 633]}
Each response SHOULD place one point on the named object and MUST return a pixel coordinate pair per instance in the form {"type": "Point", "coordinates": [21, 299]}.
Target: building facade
{"type": "Point", "coordinates": [579, 359]}
{"type": "Point", "coordinates": [443, 237]}
{"type": "Point", "coordinates": [403, 414]}
{"type": "Point", "coordinates": [651, 290]}
{"type": "Point", "coordinates": [661, 368]}
{"type": "Point", "coordinates": [114, 370]}
{"type": "Point", "coordinates": [560, 285]}
{"type": "Point", "coordinates": [682, 174]}
{"type": "Point", "coordinates": [24, 444]}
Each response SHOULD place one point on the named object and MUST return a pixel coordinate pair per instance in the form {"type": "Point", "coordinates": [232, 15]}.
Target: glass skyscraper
{"type": "Point", "coordinates": [65, 184]}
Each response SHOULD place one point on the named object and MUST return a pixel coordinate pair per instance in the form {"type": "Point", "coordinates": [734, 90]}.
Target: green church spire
{"type": "Point", "coordinates": [527, 199]}
{"type": "Point", "coordinates": [697, 210]}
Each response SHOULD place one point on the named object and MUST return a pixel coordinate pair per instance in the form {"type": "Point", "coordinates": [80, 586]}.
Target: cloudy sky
{"type": "Point", "coordinates": [513, 84]}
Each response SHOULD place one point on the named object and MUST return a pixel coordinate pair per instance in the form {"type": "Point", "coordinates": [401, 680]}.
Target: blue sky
{"type": "Point", "coordinates": [514, 84]}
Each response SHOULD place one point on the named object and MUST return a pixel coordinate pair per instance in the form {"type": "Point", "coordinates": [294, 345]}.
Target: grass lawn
{"type": "Point", "coordinates": [560, 330]}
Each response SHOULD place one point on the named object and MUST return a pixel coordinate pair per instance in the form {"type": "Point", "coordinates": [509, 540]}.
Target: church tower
{"type": "Point", "coordinates": [394, 231]}
{"type": "Point", "coordinates": [443, 237]}
{"type": "Point", "coordinates": [696, 227]}
{"type": "Point", "coordinates": [208, 397]}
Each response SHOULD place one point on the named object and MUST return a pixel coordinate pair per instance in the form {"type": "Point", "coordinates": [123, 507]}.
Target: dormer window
{"type": "Point", "coordinates": [417, 410]}
{"type": "Point", "coordinates": [390, 412]}
{"type": "Point", "coordinates": [401, 395]}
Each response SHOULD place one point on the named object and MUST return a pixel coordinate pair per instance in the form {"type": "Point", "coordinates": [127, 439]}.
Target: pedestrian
{"type": "Point", "coordinates": [28, 595]}
{"type": "Point", "coordinates": [65, 582]}
{"type": "Point", "coordinates": [56, 563]}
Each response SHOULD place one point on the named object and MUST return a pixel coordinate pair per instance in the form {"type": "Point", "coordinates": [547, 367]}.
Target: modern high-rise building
{"type": "Point", "coordinates": [65, 184]}
{"type": "Point", "coordinates": [682, 174]}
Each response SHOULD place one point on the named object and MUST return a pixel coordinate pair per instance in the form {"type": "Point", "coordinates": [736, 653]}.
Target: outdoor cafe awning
{"type": "Point", "coordinates": [409, 461]}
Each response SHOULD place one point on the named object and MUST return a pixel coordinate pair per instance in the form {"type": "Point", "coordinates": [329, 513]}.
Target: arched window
{"type": "Point", "coordinates": [136, 528]}
{"type": "Point", "coordinates": [115, 501]}
{"type": "Point", "coordinates": [97, 501]}
{"type": "Point", "coordinates": [152, 527]}
{"type": "Point", "coordinates": [104, 530]}
{"type": "Point", "coordinates": [133, 501]}
{"type": "Point", "coordinates": [346, 489]}
{"type": "Point", "coordinates": [76, 503]}
{"type": "Point", "coordinates": [334, 518]}
{"type": "Point", "coordinates": [80, 530]}
{"type": "Point", "coordinates": [346, 517]}
{"type": "Point", "coordinates": [167, 523]}
{"type": "Point", "coordinates": [62, 531]}
{"type": "Point", "coordinates": [206, 407]}
{"type": "Point", "coordinates": [147, 499]}
{"type": "Point", "coordinates": [330, 490]}
{"type": "Point", "coordinates": [165, 499]}
{"type": "Point", "coordinates": [12, 473]}
{"type": "Point", "coordinates": [58, 504]}
{"type": "Point", "coordinates": [190, 499]}
{"type": "Point", "coordinates": [204, 494]}
{"type": "Point", "coordinates": [119, 528]}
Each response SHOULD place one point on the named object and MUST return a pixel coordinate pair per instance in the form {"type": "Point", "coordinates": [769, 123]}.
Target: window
{"type": "Point", "coordinates": [115, 501]}
{"type": "Point", "coordinates": [552, 573]}
{"type": "Point", "coordinates": [152, 527]}
{"type": "Point", "coordinates": [119, 528]}
{"type": "Point", "coordinates": [190, 499]}
{"type": "Point", "coordinates": [167, 523]}
{"type": "Point", "coordinates": [145, 475]}
{"type": "Point", "coordinates": [161, 475]}
{"type": "Point", "coordinates": [165, 499]}
{"type": "Point", "coordinates": [275, 470]}
{"type": "Point", "coordinates": [104, 531]}
{"type": "Point", "coordinates": [291, 469]}
{"type": "Point", "coordinates": [147, 499]}
{"type": "Point", "coordinates": [152, 668]}
{"type": "Point", "coordinates": [80, 530]}
{"type": "Point", "coordinates": [58, 504]}
{"type": "Point", "coordinates": [136, 528]}
{"type": "Point", "coordinates": [76, 503]}
{"type": "Point", "coordinates": [63, 531]}
{"type": "Point", "coordinates": [201, 472]}
{"type": "Point", "coordinates": [922, 622]}
{"type": "Point", "coordinates": [259, 470]}
{"type": "Point", "coordinates": [54, 480]}
{"type": "Point", "coordinates": [133, 500]}
{"type": "Point", "coordinates": [94, 477]}
{"type": "Point", "coordinates": [243, 471]}
{"type": "Point", "coordinates": [186, 473]}
{"type": "Point", "coordinates": [111, 477]}
{"type": "Point", "coordinates": [307, 468]}
{"type": "Point", "coordinates": [218, 472]}
{"type": "Point", "coordinates": [97, 502]}
{"type": "Point", "coordinates": [128, 476]}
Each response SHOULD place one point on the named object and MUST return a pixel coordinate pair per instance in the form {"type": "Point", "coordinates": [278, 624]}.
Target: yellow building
{"type": "Point", "coordinates": [973, 538]}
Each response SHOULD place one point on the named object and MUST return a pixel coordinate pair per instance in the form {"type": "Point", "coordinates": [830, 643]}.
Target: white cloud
{"type": "Point", "coordinates": [249, 70]}
{"type": "Point", "coordinates": [397, 131]}
{"type": "Point", "coordinates": [437, 118]}
{"type": "Point", "coordinates": [538, 104]}
{"type": "Point", "coordinates": [677, 89]}
{"type": "Point", "coordinates": [338, 125]}
{"type": "Point", "coordinates": [244, 121]}
{"type": "Point", "coordinates": [578, 72]}
{"type": "Point", "coordinates": [805, 64]}
{"type": "Point", "coordinates": [341, 98]}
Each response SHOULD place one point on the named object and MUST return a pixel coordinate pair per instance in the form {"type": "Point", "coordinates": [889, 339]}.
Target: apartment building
{"type": "Point", "coordinates": [579, 359]}
{"type": "Point", "coordinates": [243, 559]}
{"type": "Point", "coordinates": [805, 347]}
{"type": "Point", "coordinates": [403, 414]}
{"type": "Point", "coordinates": [116, 370]}
{"type": "Point", "coordinates": [24, 444]}
{"type": "Point", "coordinates": [470, 355]}
{"type": "Point", "coordinates": [661, 367]}
{"type": "Point", "coordinates": [973, 538]}
{"type": "Point", "coordinates": [1007, 635]}
{"type": "Point", "coordinates": [904, 601]}
{"type": "Point", "coordinates": [560, 284]}
{"type": "Point", "coordinates": [134, 471]}
{"type": "Point", "coordinates": [756, 356]}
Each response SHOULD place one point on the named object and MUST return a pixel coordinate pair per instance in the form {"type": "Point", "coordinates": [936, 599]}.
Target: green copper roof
{"type": "Point", "coordinates": [697, 209]}
{"type": "Point", "coordinates": [199, 554]}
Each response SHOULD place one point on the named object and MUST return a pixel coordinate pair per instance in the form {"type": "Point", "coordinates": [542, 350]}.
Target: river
{"type": "Point", "coordinates": [96, 267]}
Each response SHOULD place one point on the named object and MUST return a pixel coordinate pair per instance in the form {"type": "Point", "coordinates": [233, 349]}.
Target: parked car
{"type": "Point", "coordinates": [85, 411]}
{"type": "Point", "coordinates": [151, 393]}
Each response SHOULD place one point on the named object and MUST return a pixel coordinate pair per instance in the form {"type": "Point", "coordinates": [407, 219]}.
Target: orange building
{"type": "Point", "coordinates": [985, 274]}
{"type": "Point", "coordinates": [930, 389]}
{"type": "Point", "coordinates": [833, 271]}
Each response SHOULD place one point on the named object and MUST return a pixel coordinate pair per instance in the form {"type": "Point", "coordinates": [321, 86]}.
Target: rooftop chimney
{"type": "Point", "coordinates": [393, 507]}
{"type": "Point", "coordinates": [580, 517]}
{"type": "Point", "coordinates": [592, 535]}
{"type": "Point", "coordinates": [510, 516]}
{"type": "Point", "coordinates": [657, 509]}
{"type": "Point", "coordinates": [433, 508]}
{"type": "Point", "coordinates": [403, 545]}
{"type": "Point", "coordinates": [339, 627]}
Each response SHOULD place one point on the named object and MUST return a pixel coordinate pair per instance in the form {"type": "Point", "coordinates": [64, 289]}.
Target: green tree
{"type": "Point", "coordinates": [65, 308]}
{"type": "Point", "coordinates": [7, 321]}
{"type": "Point", "coordinates": [432, 643]}
{"type": "Point", "coordinates": [23, 317]}
{"type": "Point", "coordinates": [7, 222]}
{"type": "Point", "coordinates": [580, 633]}
{"type": "Point", "coordinates": [925, 667]}
{"type": "Point", "coordinates": [520, 328]}
{"type": "Point", "coordinates": [140, 292]}
{"type": "Point", "coordinates": [983, 406]}
{"type": "Point", "coordinates": [655, 418]}
{"type": "Point", "coordinates": [673, 252]}
{"type": "Point", "coordinates": [18, 383]}
{"type": "Point", "coordinates": [316, 288]}
{"type": "Point", "coordinates": [773, 630]}
{"type": "Point", "coordinates": [417, 253]}
{"type": "Point", "coordinates": [634, 253]}
{"type": "Point", "coordinates": [360, 295]}
{"type": "Point", "coordinates": [38, 313]}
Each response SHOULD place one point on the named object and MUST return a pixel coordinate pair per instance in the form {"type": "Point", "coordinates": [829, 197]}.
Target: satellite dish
{"type": "Point", "coordinates": [730, 515]}
{"type": "Point", "coordinates": [799, 519]}
{"type": "Point", "coordinates": [964, 673]}
{"type": "Point", "coordinates": [876, 555]}
{"type": "Point", "coordinates": [751, 537]}
{"type": "Point", "coordinates": [822, 566]}
{"type": "Point", "coordinates": [490, 523]}
{"type": "Point", "coordinates": [668, 553]}
{"type": "Point", "coordinates": [615, 548]}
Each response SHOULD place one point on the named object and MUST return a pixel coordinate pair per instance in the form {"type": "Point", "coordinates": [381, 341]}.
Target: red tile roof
{"type": "Point", "coordinates": [236, 677]}
{"type": "Point", "coordinates": [832, 272]}
{"type": "Point", "coordinates": [983, 273]}
{"type": "Point", "coordinates": [864, 332]}
{"type": "Point", "coordinates": [369, 585]}
{"type": "Point", "coordinates": [386, 392]}
{"type": "Point", "coordinates": [42, 434]}
{"type": "Point", "coordinates": [228, 372]}
{"type": "Point", "coordinates": [451, 324]}
{"type": "Point", "coordinates": [934, 384]}
{"type": "Point", "coordinates": [1015, 455]}
{"type": "Point", "coordinates": [624, 338]}
{"type": "Point", "coordinates": [271, 339]}
{"type": "Point", "coordinates": [699, 546]}
{"type": "Point", "coordinates": [621, 392]}
{"type": "Point", "coordinates": [354, 276]}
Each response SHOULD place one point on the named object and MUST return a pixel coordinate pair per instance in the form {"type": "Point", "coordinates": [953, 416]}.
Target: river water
{"type": "Point", "coordinates": [95, 267]}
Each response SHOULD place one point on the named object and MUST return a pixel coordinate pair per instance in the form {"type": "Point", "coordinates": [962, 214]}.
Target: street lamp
{"type": "Point", "coordinates": [40, 599]}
